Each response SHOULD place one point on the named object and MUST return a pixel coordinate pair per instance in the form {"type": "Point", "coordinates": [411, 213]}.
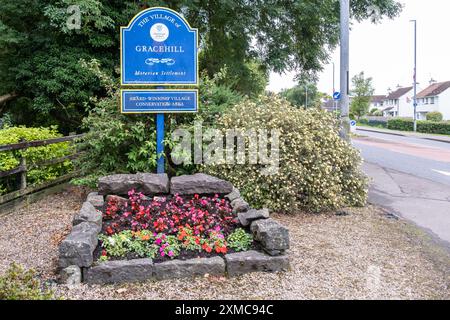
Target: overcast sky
{"type": "Point", "coordinates": [384, 51]}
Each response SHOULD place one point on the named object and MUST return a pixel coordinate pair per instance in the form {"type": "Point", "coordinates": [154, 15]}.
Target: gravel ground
{"type": "Point", "coordinates": [364, 255]}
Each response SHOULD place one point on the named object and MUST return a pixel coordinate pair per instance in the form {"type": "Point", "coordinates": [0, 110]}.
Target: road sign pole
{"type": "Point", "coordinates": [344, 76]}
{"type": "Point", "coordinates": [415, 75]}
{"type": "Point", "coordinates": [160, 142]}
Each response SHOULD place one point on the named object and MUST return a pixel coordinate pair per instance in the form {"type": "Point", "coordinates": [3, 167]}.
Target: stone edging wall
{"type": "Point", "coordinates": [76, 262]}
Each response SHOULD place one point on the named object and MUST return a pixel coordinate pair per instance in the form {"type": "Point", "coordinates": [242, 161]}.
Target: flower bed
{"type": "Point", "coordinates": [192, 225]}
{"type": "Point", "coordinates": [164, 228]}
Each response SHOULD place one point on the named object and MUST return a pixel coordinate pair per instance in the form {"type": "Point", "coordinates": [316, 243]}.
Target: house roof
{"type": "Point", "coordinates": [397, 94]}
{"type": "Point", "coordinates": [377, 99]}
{"type": "Point", "coordinates": [434, 90]}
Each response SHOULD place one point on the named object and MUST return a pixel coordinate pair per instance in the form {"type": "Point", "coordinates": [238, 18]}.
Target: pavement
{"type": "Point", "coordinates": [426, 136]}
{"type": "Point", "coordinates": [410, 177]}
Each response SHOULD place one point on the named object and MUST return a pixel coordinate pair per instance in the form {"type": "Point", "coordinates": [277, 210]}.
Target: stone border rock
{"type": "Point", "coordinates": [76, 260]}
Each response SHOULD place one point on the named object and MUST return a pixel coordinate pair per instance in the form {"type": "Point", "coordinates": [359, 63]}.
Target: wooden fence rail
{"type": "Point", "coordinates": [23, 168]}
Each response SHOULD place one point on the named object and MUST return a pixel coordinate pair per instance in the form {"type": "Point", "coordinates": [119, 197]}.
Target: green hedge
{"type": "Point", "coordinates": [400, 124]}
{"type": "Point", "coordinates": [11, 159]}
{"type": "Point", "coordinates": [442, 127]}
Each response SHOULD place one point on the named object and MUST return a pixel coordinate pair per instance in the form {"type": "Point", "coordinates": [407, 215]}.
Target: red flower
{"type": "Point", "coordinates": [221, 249]}
{"type": "Point", "coordinates": [206, 247]}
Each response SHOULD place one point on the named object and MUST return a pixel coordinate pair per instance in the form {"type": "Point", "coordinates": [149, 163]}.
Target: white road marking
{"type": "Point", "coordinates": [445, 173]}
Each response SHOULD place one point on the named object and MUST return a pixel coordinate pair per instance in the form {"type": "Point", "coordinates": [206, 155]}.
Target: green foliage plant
{"type": "Point", "coordinates": [240, 240]}
{"type": "Point", "coordinates": [33, 155]}
{"type": "Point", "coordinates": [434, 116]}
{"type": "Point", "coordinates": [318, 171]}
{"type": "Point", "coordinates": [20, 284]}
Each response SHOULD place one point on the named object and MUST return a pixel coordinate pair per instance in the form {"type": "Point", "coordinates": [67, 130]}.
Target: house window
{"type": "Point", "coordinates": [432, 100]}
{"type": "Point", "coordinates": [426, 100]}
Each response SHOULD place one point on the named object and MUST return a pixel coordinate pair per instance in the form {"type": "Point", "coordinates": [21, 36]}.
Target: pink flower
{"type": "Point", "coordinates": [170, 253]}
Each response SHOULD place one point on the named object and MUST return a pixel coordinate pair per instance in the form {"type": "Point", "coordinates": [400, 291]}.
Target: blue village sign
{"type": "Point", "coordinates": [158, 47]}
{"type": "Point", "coordinates": [159, 101]}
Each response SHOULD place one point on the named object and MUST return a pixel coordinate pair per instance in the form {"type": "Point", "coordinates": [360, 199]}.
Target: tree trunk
{"type": "Point", "coordinates": [7, 97]}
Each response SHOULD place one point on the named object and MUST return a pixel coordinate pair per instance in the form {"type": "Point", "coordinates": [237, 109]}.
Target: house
{"type": "Point", "coordinates": [398, 103]}
{"type": "Point", "coordinates": [434, 98]}
{"type": "Point", "coordinates": [333, 105]}
{"type": "Point", "coordinates": [377, 102]}
{"type": "Point", "coordinates": [329, 105]}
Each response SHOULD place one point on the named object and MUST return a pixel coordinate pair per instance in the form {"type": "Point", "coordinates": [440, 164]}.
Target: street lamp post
{"type": "Point", "coordinates": [344, 73]}
{"type": "Point", "coordinates": [334, 88]}
{"type": "Point", "coordinates": [306, 96]}
{"type": "Point", "coordinates": [415, 75]}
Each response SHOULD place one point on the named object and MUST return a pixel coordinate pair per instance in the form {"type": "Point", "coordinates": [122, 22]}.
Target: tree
{"type": "Point", "coordinates": [305, 94]}
{"type": "Point", "coordinates": [40, 53]}
{"type": "Point", "coordinates": [362, 94]}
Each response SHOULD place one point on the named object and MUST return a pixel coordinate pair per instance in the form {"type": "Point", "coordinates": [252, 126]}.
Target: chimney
{"type": "Point", "coordinates": [432, 81]}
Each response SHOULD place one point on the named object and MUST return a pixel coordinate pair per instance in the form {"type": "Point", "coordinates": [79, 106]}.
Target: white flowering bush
{"type": "Point", "coordinates": [318, 171]}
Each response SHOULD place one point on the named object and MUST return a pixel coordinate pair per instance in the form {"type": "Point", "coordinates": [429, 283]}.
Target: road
{"type": "Point", "coordinates": [410, 177]}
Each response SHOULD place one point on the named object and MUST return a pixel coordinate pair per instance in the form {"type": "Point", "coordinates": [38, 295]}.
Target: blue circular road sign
{"type": "Point", "coordinates": [336, 95]}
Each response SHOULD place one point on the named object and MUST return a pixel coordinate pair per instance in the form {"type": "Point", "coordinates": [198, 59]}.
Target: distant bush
{"type": "Point", "coordinates": [378, 123]}
{"type": "Point", "coordinates": [363, 121]}
{"type": "Point", "coordinates": [18, 284]}
{"type": "Point", "coordinates": [11, 159]}
{"type": "Point", "coordinates": [373, 123]}
{"type": "Point", "coordinates": [434, 116]}
{"type": "Point", "coordinates": [378, 113]}
{"type": "Point", "coordinates": [318, 171]}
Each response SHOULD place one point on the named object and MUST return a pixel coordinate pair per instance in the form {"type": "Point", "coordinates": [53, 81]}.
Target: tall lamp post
{"type": "Point", "coordinates": [306, 95]}
{"type": "Point", "coordinates": [415, 75]}
{"type": "Point", "coordinates": [334, 88]}
{"type": "Point", "coordinates": [344, 74]}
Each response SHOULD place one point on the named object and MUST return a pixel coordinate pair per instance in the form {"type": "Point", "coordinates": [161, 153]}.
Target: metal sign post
{"type": "Point", "coordinates": [158, 47]}
{"type": "Point", "coordinates": [160, 142]}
